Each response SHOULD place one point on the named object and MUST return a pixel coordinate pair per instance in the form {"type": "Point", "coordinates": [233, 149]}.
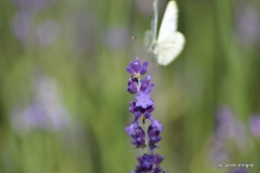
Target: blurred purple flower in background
{"type": "Point", "coordinates": [25, 29]}
{"type": "Point", "coordinates": [218, 152]}
{"type": "Point", "coordinates": [32, 5]}
{"type": "Point", "coordinates": [46, 110]}
{"type": "Point", "coordinates": [117, 38]}
{"type": "Point", "coordinates": [254, 125]}
{"type": "Point", "coordinates": [22, 26]}
{"type": "Point", "coordinates": [47, 32]}
{"type": "Point", "coordinates": [229, 128]}
{"type": "Point", "coordinates": [247, 24]}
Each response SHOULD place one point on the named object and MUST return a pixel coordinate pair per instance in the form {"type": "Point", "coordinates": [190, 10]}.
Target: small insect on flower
{"type": "Point", "coordinates": [170, 42]}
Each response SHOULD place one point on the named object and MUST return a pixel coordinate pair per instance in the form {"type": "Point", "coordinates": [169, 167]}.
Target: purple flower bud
{"type": "Point", "coordinates": [156, 124]}
{"type": "Point", "coordinates": [136, 68]}
{"type": "Point", "coordinates": [130, 129]}
{"type": "Point", "coordinates": [143, 69]}
{"type": "Point", "coordinates": [137, 134]}
{"type": "Point", "coordinates": [157, 169]}
{"type": "Point", "coordinates": [158, 159]}
{"type": "Point", "coordinates": [138, 139]}
{"type": "Point", "coordinates": [153, 135]}
{"type": "Point", "coordinates": [146, 86]}
{"type": "Point", "coordinates": [132, 86]}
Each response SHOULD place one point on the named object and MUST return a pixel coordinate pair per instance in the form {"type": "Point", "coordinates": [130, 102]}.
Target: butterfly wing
{"type": "Point", "coordinates": [150, 44]}
{"type": "Point", "coordinates": [170, 42]}
{"type": "Point", "coordinates": [169, 48]}
{"type": "Point", "coordinates": [148, 39]}
{"type": "Point", "coordinates": [169, 21]}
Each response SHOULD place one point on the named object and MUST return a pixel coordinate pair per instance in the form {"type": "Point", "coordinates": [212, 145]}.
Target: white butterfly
{"type": "Point", "coordinates": [170, 42]}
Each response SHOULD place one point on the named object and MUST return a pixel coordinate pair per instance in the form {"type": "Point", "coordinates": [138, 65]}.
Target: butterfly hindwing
{"type": "Point", "coordinates": [170, 48]}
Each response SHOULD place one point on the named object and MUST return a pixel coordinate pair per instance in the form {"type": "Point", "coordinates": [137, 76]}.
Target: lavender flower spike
{"type": "Point", "coordinates": [142, 109]}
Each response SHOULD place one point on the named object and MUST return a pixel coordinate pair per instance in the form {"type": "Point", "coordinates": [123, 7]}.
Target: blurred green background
{"type": "Point", "coordinates": [63, 99]}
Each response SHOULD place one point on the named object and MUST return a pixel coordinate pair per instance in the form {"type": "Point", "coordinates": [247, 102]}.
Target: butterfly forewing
{"type": "Point", "coordinates": [169, 21]}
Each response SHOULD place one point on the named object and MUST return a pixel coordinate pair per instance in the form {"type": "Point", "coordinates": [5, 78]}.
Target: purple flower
{"type": "Point", "coordinates": [131, 128]}
{"type": "Point", "coordinates": [136, 68]}
{"type": "Point", "coordinates": [153, 135]}
{"type": "Point", "coordinates": [254, 124]}
{"type": "Point", "coordinates": [149, 163]}
{"type": "Point", "coordinates": [146, 86]}
{"type": "Point", "coordinates": [137, 134]}
{"type": "Point", "coordinates": [156, 124]}
{"type": "Point", "coordinates": [138, 111]}
{"type": "Point", "coordinates": [143, 100]}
